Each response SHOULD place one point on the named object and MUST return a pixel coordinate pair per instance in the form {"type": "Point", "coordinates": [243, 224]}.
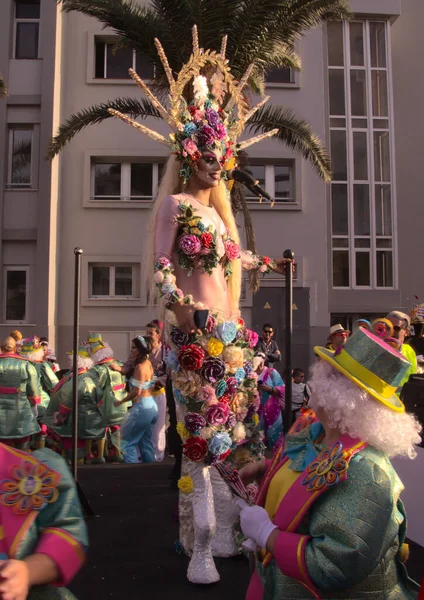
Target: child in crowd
{"type": "Point", "coordinates": [300, 391]}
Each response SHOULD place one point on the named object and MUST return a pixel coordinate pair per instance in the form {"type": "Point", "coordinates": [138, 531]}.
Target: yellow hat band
{"type": "Point", "coordinates": [364, 375]}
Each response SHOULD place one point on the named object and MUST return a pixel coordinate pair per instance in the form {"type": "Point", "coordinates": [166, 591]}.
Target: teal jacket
{"type": "Point", "coordinates": [113, 385]}
{"type": "Point", "coordinates": [20, 394]}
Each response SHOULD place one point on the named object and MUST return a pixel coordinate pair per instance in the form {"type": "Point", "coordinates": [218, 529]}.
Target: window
{"type": "Point", "coordinates": [27, 24]}
{"type": "Point", "coordinates": [113, 63]}
{"type": "Point", "coordinates": [361, 127]}
{"type": "Point", "coordinates": [20, 156]}
{"type": "Point", "coordinates": [131, 180]}
{"type": "Point", "coordinates": [15, 299]}
{"type": "Point", "coordinates": [112, 281]}
{"type": "Point", "coordinates": [282, 75]}
{"type": "Point", "coordinates": [277, 180]}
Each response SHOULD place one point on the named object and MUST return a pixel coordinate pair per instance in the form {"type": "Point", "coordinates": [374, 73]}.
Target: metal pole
{"type": "Point", "coordinates": [288, 415]}
{"type": "Point", "coordinates": [78, 253]}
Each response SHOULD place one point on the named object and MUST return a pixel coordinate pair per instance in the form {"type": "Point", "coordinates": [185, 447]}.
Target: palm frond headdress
{"type": "Point", "coordinates": [213, 118]}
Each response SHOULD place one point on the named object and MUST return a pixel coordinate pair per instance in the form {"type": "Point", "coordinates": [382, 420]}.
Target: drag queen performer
{"type": "Point", "coordinates": [329, 521]}
{"type": "Point", "coordinates": [197, 263]}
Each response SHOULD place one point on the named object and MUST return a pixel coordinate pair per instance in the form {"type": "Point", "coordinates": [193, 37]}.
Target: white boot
{"type": "Point", "coordinates": [226, 513]}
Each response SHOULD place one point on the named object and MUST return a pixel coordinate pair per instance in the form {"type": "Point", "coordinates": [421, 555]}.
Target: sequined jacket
{"type": "Point", "coordinates": [349, 544]}
{"type": "Point", "coordinates": [112, 384]}
{"type": "Point", "coordinates": [20, 392]}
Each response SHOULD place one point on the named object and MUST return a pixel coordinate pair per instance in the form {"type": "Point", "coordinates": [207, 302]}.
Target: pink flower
{"type": "Point", "coordinates": [190, 244]}
{"type": "Point", "coordinates": [232, 250]}
{"type": "Point", "coordinates": [217, 414]}
{"type": "Point", "coordinates": [220, 131]}
{"type": "Point", "coordinates": [190, 146]}
{"type": "Point", "coordinates": [206, 394]}
{"type": "Point", "coordinates": [251, 337]}
{"type": "Point", "coordinates": [198, 116]}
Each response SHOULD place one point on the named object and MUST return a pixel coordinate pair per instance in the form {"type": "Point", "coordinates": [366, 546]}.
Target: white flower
{"type": "Point", "coordinates": [201, 90]}
{"type": "Point", "coordinates": [158, 277]}
{"type": "Point", "coordinates": [239, 432]}
{"type": "Point", "coordinates": [207, 432]}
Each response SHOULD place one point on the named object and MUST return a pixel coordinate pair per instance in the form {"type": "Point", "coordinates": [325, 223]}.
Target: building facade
{"type": "Point", "coordinates": [354, 240]}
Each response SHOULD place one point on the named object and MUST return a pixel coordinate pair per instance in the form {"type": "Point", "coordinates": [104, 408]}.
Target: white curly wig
{"type": "Point", "coordinates": [83, 362]}
{"type": "Point", "coordinates": [102, 354]}
{"type": "Point", "coordinates": [354, 412]}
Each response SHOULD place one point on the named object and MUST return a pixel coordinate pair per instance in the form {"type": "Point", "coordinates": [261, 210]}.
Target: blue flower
{"type": "Point", "coordinates": [227, 331]}
{"type": "Point", "coordinates": [172, 361]}
{"type": "Point", "coordinates": [220, 388]}
{"type": "Point", "coordinates": [189, 129]}
{"type": "Point", "coordinates": [240, 374]}
{"type": "Point", "coordinates": [219, 443]}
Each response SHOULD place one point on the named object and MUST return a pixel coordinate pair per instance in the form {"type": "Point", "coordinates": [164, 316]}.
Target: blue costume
{"type": "Point", "coordinates": [271, 421]}
{"type": "Point", "coordinates": [137, 426]}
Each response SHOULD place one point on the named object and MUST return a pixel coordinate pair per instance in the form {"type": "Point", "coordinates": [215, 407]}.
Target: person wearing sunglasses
{"type": "Point", "coordinates": [267, 346]}
{"type": "Point", "coordinates": [401, 325]}
{"type": "Point", "coordinates": [337, 337]}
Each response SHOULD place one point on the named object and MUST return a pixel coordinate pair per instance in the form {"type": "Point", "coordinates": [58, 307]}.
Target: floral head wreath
{"type": "Point", "coordinates": [215, 118]}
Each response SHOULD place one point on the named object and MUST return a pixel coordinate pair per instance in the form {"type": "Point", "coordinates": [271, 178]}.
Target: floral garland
{"type": "Point", "coordinates": [213, 378]}
{"type": "Point", "coordinates": [166, 286]}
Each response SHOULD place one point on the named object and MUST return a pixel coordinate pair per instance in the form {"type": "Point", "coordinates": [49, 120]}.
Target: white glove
{"type": "Point", "coordinates": [255, 523]}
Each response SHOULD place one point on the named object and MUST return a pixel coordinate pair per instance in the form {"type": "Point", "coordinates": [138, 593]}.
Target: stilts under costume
{"type": "Point", "coordinates": [214, 387]}
{"type": "Point", "coordinates": [40, 513]}
{"type": "Point", "coordinates": [342, 523]}
{"type": "Point", "coordinates": [91, 424]}
{"type": "Point", "coordinates": [20, 394]}
{"type": "Point", "coordinates": [112, 384]}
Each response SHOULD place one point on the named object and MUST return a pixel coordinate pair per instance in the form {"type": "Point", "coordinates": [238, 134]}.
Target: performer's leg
{"type": "Point", "coordinates": [100, 459]}
{"type": "Point", "coordinates": [158, 435]}
{"type": "Point", "coordinates": [147, 423]}
{"type": "Point", "coordinates": [131, 431]}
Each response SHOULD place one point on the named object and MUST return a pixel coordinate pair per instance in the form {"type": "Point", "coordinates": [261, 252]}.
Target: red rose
{"type": "Point", "coordinates": [195, 448]}
{"type": "Point", "coordinates": [192, 110]}
{"type": "Point", "coordinates": [191, 357]}
{"type": "Point", "coordinates": [206, 239]}
{"type": "Point", "coordinates": [240, 321]}
{"type": "Point", "coordinates": [224, 456]}
{"type": "Point", "coordinates": [266, 260]}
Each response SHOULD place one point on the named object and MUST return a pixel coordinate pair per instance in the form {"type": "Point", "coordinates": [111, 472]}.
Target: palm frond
{"type": "Point", "coordinates": [295, 133]}
{"type": "Point", "coordinates": [96, 114]}
{"type": "Point", "coordinates": [3, 88]}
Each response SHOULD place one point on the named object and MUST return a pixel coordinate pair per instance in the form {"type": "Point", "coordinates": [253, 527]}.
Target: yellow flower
{"type": "Point", "coordinates": [255, 419]}
{"type": "Point", "coordinates": [186, 485]}
{"type": "Point", "coordinates": [182, 431]}
{"type": "Point", "coordinates": [215, 347]}
{"type": "Point", "coordinates": [233, 357]}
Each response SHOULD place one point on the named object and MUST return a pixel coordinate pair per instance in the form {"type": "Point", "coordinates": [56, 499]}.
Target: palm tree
{"type": "Point", "coordinates": [3, 88]}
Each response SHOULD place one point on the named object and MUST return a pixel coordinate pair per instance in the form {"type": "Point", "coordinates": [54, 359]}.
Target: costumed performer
{"type": "Point", "coordinates": [197, 259]}
{"type": "Point", "coordinates": [91, 424]}
{"type": "Point", "coordinates": [138, 424]}
{"type": "Point", "coordinates": [157, 358]}
{"type": "Point", "coordinates": [44, 537]}
{"type": "Point", "coordinates": [20, 395]}
{"type": "Point", "coordinates": [35, 352]}
{"type": "Point", "coordinates": [112, 384]}
{"type": "Point", "coordinates": [271, 388]}
{"type": "Point", "coordinates": [330, 522]}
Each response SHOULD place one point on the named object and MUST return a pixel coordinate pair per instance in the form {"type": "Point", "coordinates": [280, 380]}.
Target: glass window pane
{"type": "Point", "coordinates": [380, 124]}
{"type": "Point", "coordinates": [361, 205]}
{"type": "Point", "coordinates": [358, 93]}
{"type": "Point", "coordinates": [27, 9]}
{"type": "Point", "coordinates": [381, 156]}
{"type": "Point", "coordinates": [334, 122]}
{"type": "Point", "coordinates": [21, 157]}
{"type": "Point", "coordinates": [356, 44]}
{"type": "Point", "coordinates": [340, 268]}
{"type": "Point", "coordinates": [118, 62]}
{"type": "Point", "coordinates": [283, 75]}
{"type": "Point", "coordinates": [360, 156]}
{"type": "Point", "coordinates": [337, 92]}
{"type": "Point", "coordinates": [380, 103]}
{"type": "Point", "coordinates": [258, 172]}
{"type": "Point", "coordinates": [340, 243]}
{"type": "Point", "coordinates": [359, 123]}
{"type": "Point", "coordinates": [384, 268]}
{"type": "Point", "coordinates": [100, 49]}
{"type": "Point", "coordinates": [378, 44]}
{"type": "Point", "coordinates": [339, 210]}
{"type": "Point", "coordinates": [383, 210]}
{"type": "Point", "coordinates": [362, 243]}
{"type": "Point", "coordinates": [101, 280]}
{"type": "Point", "coordinates": [335, 44]}
{"type": "Point", "coordinates": [26, 40]}
{"type": "Point", "coordinates": [144, 66]}
{"type": "Point", "coordinates": [338, 155]}
{"type": "Point", "coordinates": [16, 287]}
{"type": "Point", "coordinates": [107, 180]}
{"type": "Point", "coordinates": [141, 180]}
{"type": "Point", "coordinates": [384, 243]}
{"type": "Point", "coordinates": [282, 182]}
{"type": "Point", "coordinates": [363, 268]}
{"type": "Point", "coordinates": [123, 281]}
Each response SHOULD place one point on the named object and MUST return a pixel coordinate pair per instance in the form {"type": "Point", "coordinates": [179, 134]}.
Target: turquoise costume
{"type": "Point", "coordinates": [137, 426]}
{"type": "Point", "coordinates": [20, 393]}
{"type": "Point", "coordinates": [40, 513]}
{"type": "Point", "coordinates": [91, 424]}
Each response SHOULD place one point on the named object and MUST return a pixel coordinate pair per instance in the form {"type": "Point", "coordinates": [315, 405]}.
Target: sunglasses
{"type": "Point", "coordinates": [268, 331]}
{"type": "Point", "coordinates": [398, 329]}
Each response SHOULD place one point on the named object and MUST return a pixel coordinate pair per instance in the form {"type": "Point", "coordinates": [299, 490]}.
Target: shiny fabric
{"type": "Point", "coordinates": [91, 423]}
{"type": "Point", "coordinates": [17, 419]}
{"type": "Point", "coordinates": [64, 514]}
{"type": "Point", "coordinates": [137, 427]}
{"type": "Point", "coordinates": [48, 380]}
{"type": "Point", "coordinates": [112, 384]}
{"type": "Point", "coordinates": [356, 529]}
{"type": "Point", "coordinates": [271, 420]}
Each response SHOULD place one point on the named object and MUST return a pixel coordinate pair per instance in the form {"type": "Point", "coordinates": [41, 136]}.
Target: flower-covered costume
{"type": "Point", "coordinates": [40, 513]}
{"type": "Point", "coordinates": [341, 519]}
{"type": "Point", "coordinates": [138, 424]}
{"type": "Point", "coordinates": [271, 421]}
{"type": "Point", "coordinates": [20, 394]}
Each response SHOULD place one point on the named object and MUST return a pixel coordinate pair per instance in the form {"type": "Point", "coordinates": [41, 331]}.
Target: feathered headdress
{"type": "Point", "coordinates": [216, 116]}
